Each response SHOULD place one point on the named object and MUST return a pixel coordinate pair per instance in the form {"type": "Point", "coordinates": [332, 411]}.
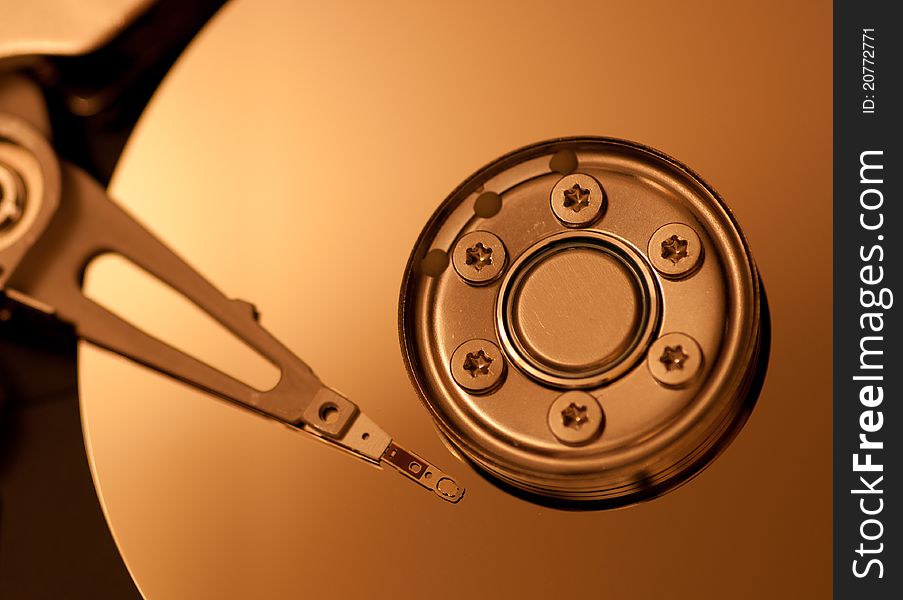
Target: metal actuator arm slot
{"type": "Point", "coordinates": [43, 255]}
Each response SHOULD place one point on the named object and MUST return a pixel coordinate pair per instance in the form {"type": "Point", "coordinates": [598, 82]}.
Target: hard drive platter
{"type": "Point", "coordinates": [295, 153]}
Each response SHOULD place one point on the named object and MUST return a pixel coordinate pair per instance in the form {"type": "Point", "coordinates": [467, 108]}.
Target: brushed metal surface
{"type": "Point", "coordinates": [577, 309]}
{"type": "Point", "coordinates": [295, 153]}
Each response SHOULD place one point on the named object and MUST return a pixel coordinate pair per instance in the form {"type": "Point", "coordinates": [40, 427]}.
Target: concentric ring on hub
{"type": "Point", "coordinates": [577, 309]}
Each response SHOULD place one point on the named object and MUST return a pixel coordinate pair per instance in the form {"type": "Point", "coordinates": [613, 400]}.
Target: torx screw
{"type": "Point", "coordinates": [675, 250]}
{"type": "Point", "coordinates": [578, 200]}
{"type": "Point", "coordinates": [675, 359]}
{"type": "Point", "coordinates": [478, 366]}
{"type": "Point", "coordinates": [479, 257]}
{"type": "Point", "coordinates": [576, 418]}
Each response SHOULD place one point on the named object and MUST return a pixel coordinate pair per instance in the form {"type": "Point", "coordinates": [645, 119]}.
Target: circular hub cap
{"type": "Point", "coordinates": [577, 309]}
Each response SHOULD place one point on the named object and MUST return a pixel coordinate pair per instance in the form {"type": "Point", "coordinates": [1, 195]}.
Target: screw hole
{"type": "Point", "coordinates": [429, 475]}
{"type": "Point", "coordinates": [329, 413]}
{"type": "Point", "coordinates": [366, 436]}
{"type": "Point", "coordinates": [434, 263]}
{"type": "Point", "coordinates": [564, 162]}
{"type": "Point", "coordinates": [487, 204]}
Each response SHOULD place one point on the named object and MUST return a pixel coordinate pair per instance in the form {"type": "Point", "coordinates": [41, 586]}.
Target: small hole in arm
{"type": "Point", "coordinates": [329, 413]}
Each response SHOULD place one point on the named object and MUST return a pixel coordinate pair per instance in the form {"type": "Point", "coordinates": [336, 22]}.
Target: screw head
{"type": "Point", "coordinates": [675, 359]}
{"type": "Point", "coordinates": [578, 200]}
{"type": "Point", "coordinates": [12, 199]}
{"type": "Point", "coordinates": [576, 418]}
{"type": "Point", "coordinates": [478, 366]}
{"type": "Point", "coordinates": [675, 250]}
{"type": "Point", "coordinates": [479, 257]}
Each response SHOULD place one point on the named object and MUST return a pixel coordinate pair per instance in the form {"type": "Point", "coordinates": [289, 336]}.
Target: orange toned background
{"type": "Point", "coordinates": [294, 154]}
